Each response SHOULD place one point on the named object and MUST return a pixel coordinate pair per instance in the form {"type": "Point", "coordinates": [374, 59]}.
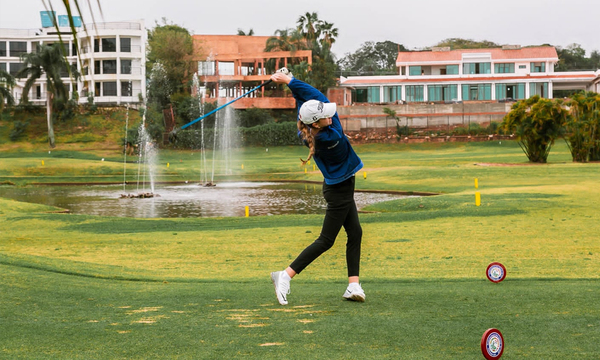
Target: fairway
{"type": "Point", "coordinates": [86, 287]}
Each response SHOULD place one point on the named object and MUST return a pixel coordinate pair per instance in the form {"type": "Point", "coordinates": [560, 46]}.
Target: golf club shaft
{"type": "Point", "coordinates": [222, 106]}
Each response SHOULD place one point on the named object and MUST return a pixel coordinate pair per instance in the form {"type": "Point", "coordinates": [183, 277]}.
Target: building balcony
{"type": "Point", "coordinates": [259, 102]}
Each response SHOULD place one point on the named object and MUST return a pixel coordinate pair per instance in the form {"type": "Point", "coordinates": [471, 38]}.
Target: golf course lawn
{"type": "Point", "coordinates": [75, 286]}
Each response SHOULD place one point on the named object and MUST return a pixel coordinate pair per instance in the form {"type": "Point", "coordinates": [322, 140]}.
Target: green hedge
{"type": "Point", "coordinates": [274, 134]}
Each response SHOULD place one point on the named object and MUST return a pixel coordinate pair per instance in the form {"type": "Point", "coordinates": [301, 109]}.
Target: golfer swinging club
{"type": "Point", "coordinates": [320, 128]}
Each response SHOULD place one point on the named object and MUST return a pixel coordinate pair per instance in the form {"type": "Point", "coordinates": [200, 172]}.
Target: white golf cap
{"type": "Point", "coordinates": [315, 110]}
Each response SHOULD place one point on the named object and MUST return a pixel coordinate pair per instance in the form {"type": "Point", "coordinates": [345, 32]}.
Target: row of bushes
{"type": "Point", "coordinates": [474, 129]}
{"type": "Point", "coordinates": [273, 134]}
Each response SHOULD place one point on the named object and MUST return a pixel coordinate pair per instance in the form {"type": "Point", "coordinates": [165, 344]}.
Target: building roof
{"type": "Point", "coordinates": [228, 44]}
{"type": "Point", "coordinates": [455, 56]}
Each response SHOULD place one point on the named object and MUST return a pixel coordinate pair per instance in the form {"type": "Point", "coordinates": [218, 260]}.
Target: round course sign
{"type": "Point", "coordinates": [496, 272]}
{"type": "Point", "coordinates": [492, 344]}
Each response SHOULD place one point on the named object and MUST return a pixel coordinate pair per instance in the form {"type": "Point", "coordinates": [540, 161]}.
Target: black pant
{"type": "Point", "coordinates": [341, 211]}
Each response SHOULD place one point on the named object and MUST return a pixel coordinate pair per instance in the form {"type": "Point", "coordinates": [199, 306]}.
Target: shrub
{"type": "Point", "coordinates": [18, 130]}
{"type": "Point", "coordinates": [275, 134]}
{"type": "Point", "coordinates": [254, 116]}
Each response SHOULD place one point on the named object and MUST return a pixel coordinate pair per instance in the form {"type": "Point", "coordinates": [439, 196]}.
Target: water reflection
{"type": "Point", "coordinates": [190, 200]}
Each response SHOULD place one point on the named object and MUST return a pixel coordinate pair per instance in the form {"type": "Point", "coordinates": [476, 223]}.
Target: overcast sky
{"type": "Point", "coordinates": [415, 24]}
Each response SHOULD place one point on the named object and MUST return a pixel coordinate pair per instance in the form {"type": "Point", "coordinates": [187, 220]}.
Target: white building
{"type": "Point", "coordinates": [112, 60]}
{"type": "Point", "coordinates": [497, 74]}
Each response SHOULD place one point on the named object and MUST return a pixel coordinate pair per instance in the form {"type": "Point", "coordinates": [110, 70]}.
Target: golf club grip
{"type": "Point", "coordinates": [267, 82]}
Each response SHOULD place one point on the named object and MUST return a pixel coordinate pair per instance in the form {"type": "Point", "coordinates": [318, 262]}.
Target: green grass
{"type": "Point", "coordinates": [86, 287]}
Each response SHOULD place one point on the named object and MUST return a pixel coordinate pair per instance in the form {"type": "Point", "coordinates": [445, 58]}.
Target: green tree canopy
{"type": "Point", "coordinates": [172, 46]}
{"type": "Point", "coordinates": [572, 58]}
{"type": "Point", "coordinates": [372, 58]}
{"type": "Point", "coordinates": [458, 43]}
{"type": "Point", "coordinates": [537, 123]}
{"type": "Point", "coordinates": [311, 33]}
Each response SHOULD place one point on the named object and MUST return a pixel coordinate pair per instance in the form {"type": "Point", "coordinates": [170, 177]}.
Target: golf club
{"type": "Point", "coordinates": [283, 70]}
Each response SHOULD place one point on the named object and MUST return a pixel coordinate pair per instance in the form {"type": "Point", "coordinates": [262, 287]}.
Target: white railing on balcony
{"type": "Point", "coordinates": [114, 25]}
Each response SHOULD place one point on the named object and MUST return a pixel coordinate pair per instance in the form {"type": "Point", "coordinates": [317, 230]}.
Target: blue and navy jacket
{"type": "Point", "coordinates": [333, 153]}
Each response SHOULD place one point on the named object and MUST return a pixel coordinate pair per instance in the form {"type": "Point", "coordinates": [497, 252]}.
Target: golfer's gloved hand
{"type": "Point", "coordinates": [281, 78]}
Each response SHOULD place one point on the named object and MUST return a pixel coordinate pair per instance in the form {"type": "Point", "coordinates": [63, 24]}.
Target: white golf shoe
{"type": "Point", "coordinates": [282, 286]}
{"type": "Point", "coordinates": [354, 292]}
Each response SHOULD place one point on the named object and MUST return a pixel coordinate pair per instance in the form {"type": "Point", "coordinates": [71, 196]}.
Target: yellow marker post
{"type": "Point", "coordinates": [314, 167]}
{"type": "Point", "coordinates": [305, 171]}
{"type": "Point", "coordinates": [477, 198]}
{"type": "Point", "coordinates": [42, 162]}
{"type": "Point", "coordinates": [365, 175]}
{"type": "Point", "coordinates": [242, 166]}
{"type": "Point", "coordinates": [308, 162]}
{"type": "Point", "coordinates": [167, 165]}
{"type": "Point", "coordinates": [476, 184]}
{"type": "Point", "coordinates": [247, 211]}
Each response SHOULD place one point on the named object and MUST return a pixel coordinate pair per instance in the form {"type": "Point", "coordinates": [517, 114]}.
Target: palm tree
{"type": "Point", "coordinates": [49, 60]}
{"type": "Point", "coordinates": [7, 82]}
{"type": "Point", "coordinates": [307, 24]}
{"type": "Point", "coordinates": [243, 33]}
{"type": "Point", "coordinates": [284, 40]}
{"type": "Point", "coordinates": [327, 32]}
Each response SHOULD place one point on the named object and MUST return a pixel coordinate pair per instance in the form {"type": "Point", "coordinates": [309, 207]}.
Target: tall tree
{"type": "Point", "coordinates": [372, 58]}
{"type": "Point", "coordinates": [326, 32]}
{"type": "Point", "coordinates": [583, 126]}
{"type": "Point", "coordinates": [7, 82]}
{"type": "Point", "coordinates": [573, 58]}
{"type": "Point", "coordinates": [307, 24]}
{"type": "Point", "coordinates": [172, 46]}
{"type": "Point", "coordinates": [49, 60]}
{"type": "Point", "coordinates": [316, 35]}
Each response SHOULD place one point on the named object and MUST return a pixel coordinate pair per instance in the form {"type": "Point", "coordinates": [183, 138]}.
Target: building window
{"type": "Point", "coordinates": [125, 44]}
{"type": "Point", "coordinates": [3, 48]}
{"type": "Point", "coordinates": [109, 88]}
{"type": "Point", "coordinates": [18, 48]}
{"type": "Point", "coordinates": [477, 92]}
{"type": "Point", "coordinates": [477, 68]}
{"type": "Point", "coordinates": [109, 45]}
{"type": "Point", "coordinates": [73, 49]}
{"type": "Point", "coordinates": [508, 68]}
{"type": "Point", "coordinates": [414, 93]}
{"type": "Point", "coordinates": [373, 94]}
{"type": "Point", "coordinates": [206, 68]}
{"type": "Point", "coordinates": [109, 66]}
{"type": "Point", "coordinates": [540, 89]}
{"type": "Point", "coordinates": [97, 86]}
{"type": "Point", "coordinates": [3, 67]}
{"type": "Point", "coordinates": [414, 70]}
{"type": "Point", "coordinates": [96, 45]}
{"type": "Point", "coordinates": [15, 68]}
{"type": "Point", "coordinates": [359, 95]}
{"type": "Point", "coordinates": [97, 67]}
{"type": "Point", "coordinates": [442, 92]}
{"type": "Point", "coordinates": [510, 91]}
{"type": "Point", "coordinates": [451, 69]}
{"type": "Point", "coordinates": [522, 66]}
{"type": "Point", "coordinates": [538, 67]}
{"type": "Point", "coordinates": [125, 66]}
{"type": "Point", "coordinates": [392, 93]}
{"type": "Point", "coordinates": [226, 68]}
{"type": "Point", "coordinates": [126, 88]}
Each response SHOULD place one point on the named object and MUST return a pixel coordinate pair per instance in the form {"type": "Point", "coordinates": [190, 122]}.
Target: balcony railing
{"type": "Point", "coordinates": [114, 25]}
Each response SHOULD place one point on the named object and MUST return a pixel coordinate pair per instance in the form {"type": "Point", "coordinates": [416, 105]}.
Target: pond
{"type": "Point", "coordinates": [187, 200]}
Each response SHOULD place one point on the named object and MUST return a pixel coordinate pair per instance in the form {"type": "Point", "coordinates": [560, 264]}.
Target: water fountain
{"type": "Point", "coordinates": [147, 149]}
